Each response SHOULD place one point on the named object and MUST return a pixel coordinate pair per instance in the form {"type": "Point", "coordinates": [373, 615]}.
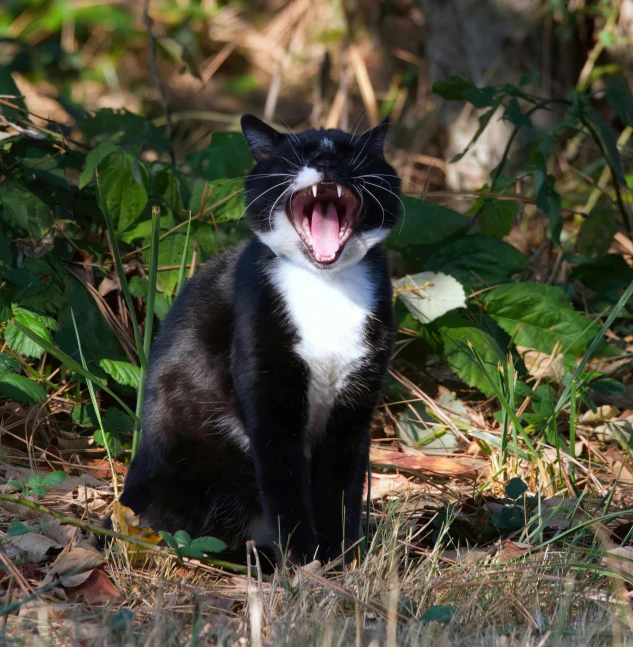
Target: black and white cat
{"type": "Point", "coordinates": [264, 377]}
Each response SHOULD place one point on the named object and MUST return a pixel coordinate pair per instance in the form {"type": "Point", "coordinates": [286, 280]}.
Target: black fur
{"type": "Point", "coordinates": [226, 350]}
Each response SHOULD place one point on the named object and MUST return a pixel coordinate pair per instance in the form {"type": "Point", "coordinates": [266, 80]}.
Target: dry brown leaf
{"type": "Point", "coordinates": [37, 546]}
{"type": "Point", "coordinates": [620, 558]}
{"type": "Point", "coordinates": [91, 498]}
{"type": "Point", "coordinates": [458, 466]}
{"type": "Point", "coordinates": [511, 550]}
{"type": "Point", "coordinates": [466, 556]}
{"type": "Point", "coordinates": [383, 485]}
{"type": "Point", "coordinates": [619, 465]}
{"type": "Point", "coordinates": [76, 560]}
{"type": "Point", "coordinates": [126, 522]}
{"type": "Point", "coordinates": [602, 413]}
{"type": "Point", "coordinates": [542, 365]}
{"type": "Point", "coordinates": [100, 468]}
{"type": "Point", "coordinates": [96, 588]}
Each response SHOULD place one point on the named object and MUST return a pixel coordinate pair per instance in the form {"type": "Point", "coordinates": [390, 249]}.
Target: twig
{"type": "Point", "coordinates": [159, 83]}
{"type": "Point", "coordinates": [72, 521]}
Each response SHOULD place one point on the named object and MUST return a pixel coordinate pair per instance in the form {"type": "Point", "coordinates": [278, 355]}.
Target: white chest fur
{"type": "Point", "coordinates": [330, 311]}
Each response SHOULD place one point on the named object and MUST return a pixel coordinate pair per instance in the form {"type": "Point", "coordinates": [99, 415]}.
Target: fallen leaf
{"type": "Point", "coordinates": [511, 550]}
{"type": "Point", "coordinates": [37, 546]}
{"type": "Point", "coordinates": [75, 561]}
{"type": "Point", "coordinates": [126, 522]}
{"type": "Point", "coordinates": [619, 465]}
{"type": "Point", "coordinates": [53, 611]}
{"type": "Point", "coordinates": [96, 588]}
{"type": "Point", "coordinates": [542, 365]}
{"type": "Point", "coordinates": [602, 413]}
{"type": "Point", "coordinates": [100, 468]}
{"type": "Point", "coordinates": [461, 466]}
{"type": "Point", "coordinates": [428, 295]}
{"type": "Point", "coordinates": [383, 485]}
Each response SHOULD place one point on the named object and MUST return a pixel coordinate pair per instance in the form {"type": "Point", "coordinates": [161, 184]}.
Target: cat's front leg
{"type": "Point", "coordinates": [338, 475]}
{"type": "Point", "coordinates": [284, 485]}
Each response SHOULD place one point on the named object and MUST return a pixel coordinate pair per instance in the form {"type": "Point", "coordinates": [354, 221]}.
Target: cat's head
{"type": "Point", "coordinates": [321, 198]}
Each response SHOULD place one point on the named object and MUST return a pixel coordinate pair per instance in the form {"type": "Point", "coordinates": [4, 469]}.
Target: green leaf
{"type": "Point", "coordinates": [483, 123]}
{"type": "Point", "coordinates": [124, 193]}
{"type": "Point", "coordinates": [455, 332]}
{"type": "Point", "coordinates": [21, 208]}
{"type": "Point", "coordinates": [510, 518]}
{"type": "Point", "coordinates": [620, 99]}
{"type": "Point", "coordinates": [111, 441]}
{"type": "Point", "coordinates": [548, 202]}
{"type": "Point", "coordinates": [54, 478]}
{"type": "Point", "coordinates": [537, 316]}
{"type": "Point", "coordinates": [8, 87]}
{"type": "Point", "coordinates": [478, 261]}
{"type": "Point", "coordinates": [123, 372]}
{"type": "Point", "coordinates": [202, 545]}
{"type": "Point", "coordinates": [170, 540]}
{"type": "Point", "coordinates": [21, 389]}
{"type": "Point", "coordinates": [497, 217]}
{"type": "Point", "coordinates": [84, 415]}
{"type": "Point", "coordinates": [35, 322]}
{"type": "Point", "coordinates": [438, 613]}
{"type": "Point", "coordinates": [608, 386]}
{"type": "Point", "coordinates": [481, 97]}
{"type": "Point", "coordinates": [93, 159]}
{"type": "Point", "coordinates": [35, 480]}
{"type": "Point", "coordinates": [453, 89]}
{"type": "Point", "coordinates": [228, 156]}
{"type": "Point", "coordinates": [8, 365]}
{"type": "Point", "coordinates": [515, 488]}
{"type": "Point", "coordinates": [140, 287]}
{"type": "Point", "coordinates": [428, 295]}
{"type": "Point", "coordinates": [182, 537]}
{"type": "Point", "coordinates": [424, 226]}
{"type": "Point", "coordinates": [597, 232]}
{"type": "Point", "coordinates": [18, 528]}
{"type": "Point", "coordinates": [513, 113]}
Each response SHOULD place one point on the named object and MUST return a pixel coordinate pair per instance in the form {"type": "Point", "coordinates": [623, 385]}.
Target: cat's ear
{"type": "Point", "coordinates": [260, 137]}
{"type": "Point", "coordinates": [377, 135]}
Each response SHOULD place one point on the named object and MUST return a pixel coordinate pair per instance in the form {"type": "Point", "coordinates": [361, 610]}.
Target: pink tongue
{"type": "Point", "coordinates": [325, 230]}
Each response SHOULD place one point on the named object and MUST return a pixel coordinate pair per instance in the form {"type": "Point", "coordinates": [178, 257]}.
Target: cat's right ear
{"type": "Point", "coordinates": [260, 137]}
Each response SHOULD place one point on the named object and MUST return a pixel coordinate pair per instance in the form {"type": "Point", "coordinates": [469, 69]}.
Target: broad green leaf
{"type": "Point", "coordinates": [123, 372]}
{"type": "Point", "coordinates": [424, 226]}
{"type": "Point", "coordinates": [124, 193]}
{"type": "Point", "coordinates": [455, 334]}
{"type": "Point", "coordinates": [548, 202]}
{"type": "Point", "coordinates": [620, 99]}
{"type": "Point", "coordinates": [428, 295]}
{"type": "Point", "coordinates": [515, 488]}
{"type": "Point", "coordinates": [597, 232]}
{"type": "Point", "coordinates": [93, 159]}
{"type": "Point", "coordinates": [39, 324]}
{"type": "Point", "coordinates": [84, 415]}
{"type": "Point", "coordinates": [9, 88]}
{"type": "Point", "coordinates": [182, 537]}
{"type": "Point", "coordinates": [497, 217]}
{"type": "Point", "coordinates": [453, 89]}
{"type": "Point", "coordinates": [478, 261]}
{"type": "Point", "coordinates": [35, 480]}
{"type": "Point", "coordinates": [139, 288]}
{"type": "Point", "coordinates": [54, 478]}
{"type": "Point", "coordinates": [18, 528]}
{"type": "Point", "coordinates": [6, 255]}
{"type": "Point", "coordinates": [607, 273]}
{"type": "Point", "coordinates": [220, 201]}
{"type": "Point", "coordinates": [113, 442]}
{"type": "Point", "coordinates": [227, 156]}
{"type": "Point", "coordinates": [513, 113]}
{"type": "Point", "coordinates": [438, 613]}
{"type": "Point", "coordinates": [21, 208]}
{"type": "Point", "coordinates": [537, 316]}
{"type": "Point", "coordinates": [8, 365]}
{"type": "Point", "coordinates": [21, 389]}
{"type": "Point", "coordinates": [202, 545]}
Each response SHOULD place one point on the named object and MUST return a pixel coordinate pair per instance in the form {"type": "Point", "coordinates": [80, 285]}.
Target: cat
{"type": "Point", "coordinates": [263, 379]}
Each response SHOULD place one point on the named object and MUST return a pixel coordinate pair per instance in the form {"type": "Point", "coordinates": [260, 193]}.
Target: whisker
{"type": "Point", "coordinates": [364, 188]}
{"type": "Point", "coordinates": [262, 194]}
{"type": "Point", "coordinates": [389, 191]}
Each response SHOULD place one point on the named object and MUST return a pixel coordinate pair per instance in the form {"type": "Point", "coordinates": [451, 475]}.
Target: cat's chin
{"type": "Point", "coordinates": [323, 215]}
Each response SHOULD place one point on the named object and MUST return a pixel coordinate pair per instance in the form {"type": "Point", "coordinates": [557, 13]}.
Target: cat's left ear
{"type": "Point", "coordinates": [377, 135]}
{"type": "Point", "coordinates": [260, 137]}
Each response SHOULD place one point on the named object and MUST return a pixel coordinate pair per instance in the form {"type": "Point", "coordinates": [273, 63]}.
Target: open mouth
{"type": "Point", "coordinates": [323, 215]}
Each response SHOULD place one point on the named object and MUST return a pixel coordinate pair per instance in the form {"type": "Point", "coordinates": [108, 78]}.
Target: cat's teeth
{"type": "Point", "coordinates": [339, 190]}
{"type": "Point", "coordinates": [306, 227]}
{"type": "Point", "coordinates": [314, 190]}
